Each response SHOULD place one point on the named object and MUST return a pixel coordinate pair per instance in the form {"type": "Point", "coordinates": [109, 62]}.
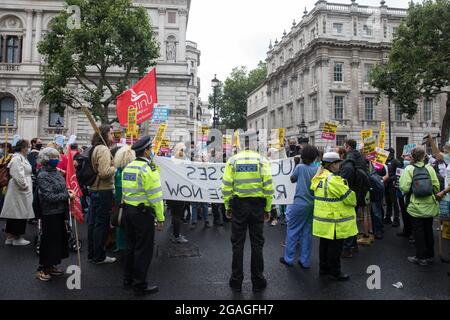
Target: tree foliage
{"type": "Point", "coordinates": [419, 61]}
{"type": "Point", "coordinates": [113, 36]}
{"type": "Point", "coordinates": [231, 95]}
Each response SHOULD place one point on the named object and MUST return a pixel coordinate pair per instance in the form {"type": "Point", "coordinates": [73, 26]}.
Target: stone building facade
{"type": "Point", "coordinates": [24, 22]}
{"type": "Point", "coordinates": [318, 72]}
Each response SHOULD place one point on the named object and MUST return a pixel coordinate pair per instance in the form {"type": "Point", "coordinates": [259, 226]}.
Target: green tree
{"type": "Point", "coordinates": [419, 60]}
{"type": "Point", "coordinates": [112, 35]}
{"type": "Point", "coordinates": [231, 96]}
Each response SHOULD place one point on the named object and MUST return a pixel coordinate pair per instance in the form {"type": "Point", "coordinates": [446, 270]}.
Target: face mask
{"type": "Point", "coordinates": [406, 163]}
{"type": "Point", "coordinates": [447, 158]}
{"type": "Point", "coordinates": [38, 146]}
{"type": "Point", "coordinates": [53, 163]}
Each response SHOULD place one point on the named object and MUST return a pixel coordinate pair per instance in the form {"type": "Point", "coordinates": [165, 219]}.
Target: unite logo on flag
{"type": "Point", "coordinates": [142, 96]}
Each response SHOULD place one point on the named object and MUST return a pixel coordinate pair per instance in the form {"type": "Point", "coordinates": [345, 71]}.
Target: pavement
{"type": "Point", "coordinates": [200, 271]}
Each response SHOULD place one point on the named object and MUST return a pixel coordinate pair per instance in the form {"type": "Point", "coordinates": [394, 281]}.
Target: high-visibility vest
{"type": "Point", "coordinates": [141, 184]}
{"type": "Point", "coordinates": [247, 175]}
{"type": "Point", "coordinates": [334, 207]}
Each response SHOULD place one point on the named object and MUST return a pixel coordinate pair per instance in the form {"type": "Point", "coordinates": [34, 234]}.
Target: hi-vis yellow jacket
{"type": "Point", "coordinates": [334, 207]}
{"type": "Point", "coordinates": [142, 184]}
{"type": "Point", "coordinates": [247, 175]}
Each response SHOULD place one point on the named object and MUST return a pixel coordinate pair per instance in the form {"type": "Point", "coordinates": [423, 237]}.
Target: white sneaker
{"type": "Point", "coordinates": [9, 242]}
{"type": "Point", "coordinates": [274, 223]}
{"type": "Point", "coordinates": [20, 242]}
{"type": "Point", "coordinates": [107, 260]}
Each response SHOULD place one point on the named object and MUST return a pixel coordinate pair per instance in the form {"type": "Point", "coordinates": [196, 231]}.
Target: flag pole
{"type": "Point", "coordinates": [78, 243]}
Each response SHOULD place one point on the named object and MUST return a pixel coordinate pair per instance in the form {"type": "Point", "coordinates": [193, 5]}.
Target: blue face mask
{"type": "Point", "coordinates": [53, 163]}
{"type": "Point", "coordinates": [447, 158]}
{"type": "Point", "coordinates": [406, 163]}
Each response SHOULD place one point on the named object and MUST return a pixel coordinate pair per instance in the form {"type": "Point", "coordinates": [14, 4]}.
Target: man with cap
{"type": "Point", "coordinates": [247, 192]}
{"type": "Point", "coordinates": [334, 215]}
{"type": "Point", "coordinates": [143, 203]}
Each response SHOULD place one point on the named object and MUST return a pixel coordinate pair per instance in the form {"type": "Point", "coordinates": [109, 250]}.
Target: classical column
{"type": "Point", "coordinates": [36, 55]}
{"type": "Point", "coordinates": [161, 33]}
{"type": "Point", "coordinates": [5, 43]}
{"type": "Point", "coordinates": [181, 56]}
{"type": "Point", "coordinates": [29, 36]}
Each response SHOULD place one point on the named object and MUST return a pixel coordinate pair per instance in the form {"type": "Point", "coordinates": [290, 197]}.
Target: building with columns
{"type": "Point", "coordinates": [22, 25]}
{"type": "Point", "coordinates": [318, 71]}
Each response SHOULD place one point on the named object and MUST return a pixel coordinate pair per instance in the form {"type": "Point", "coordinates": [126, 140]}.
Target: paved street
{"type": "Point", "coordinates": [206, 276]}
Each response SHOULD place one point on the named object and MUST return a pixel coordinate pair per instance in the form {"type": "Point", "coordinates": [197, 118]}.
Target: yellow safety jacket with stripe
{"type": "Point", "coordinates": [141, 184]}
{"type": "Point", "coordinates": [334, 207]}
{"type": "Point", "coordinates": [247, 175]}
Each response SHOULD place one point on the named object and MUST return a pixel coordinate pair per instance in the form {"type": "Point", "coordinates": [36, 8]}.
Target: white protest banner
{"type": "Point", "coordinates": [202, 182]}
{"type": "Point", "coordinates": [408, 148]}
{"type": "Point", "coordinates": [72, 139]}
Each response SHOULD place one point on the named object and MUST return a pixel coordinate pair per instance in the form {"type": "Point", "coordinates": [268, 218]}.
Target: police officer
{"type": "Point", "coordinates": [334, 215]}
{"type": "Point", "coordinates": [142, 196]}
{"type": "Point", "coordinates": [247, 192]}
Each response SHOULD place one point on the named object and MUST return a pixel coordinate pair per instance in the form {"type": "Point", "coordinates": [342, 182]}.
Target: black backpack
{"type": "Point", "coordinates": [376, 187]}
{"type": "Point", "coordinates": [421, 186]}
{"type": "Point", "coordinates": [85, 173]}
{"type": "Point", "coordinates": [362, 184]}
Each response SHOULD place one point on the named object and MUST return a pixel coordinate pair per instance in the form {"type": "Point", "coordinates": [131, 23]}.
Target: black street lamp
{"type": "Point", "coordinates": [303, 130]}
{"type": "Point", "coordinates": [215, 84]}
{"type": "Point", "coordinates": [390, 78]}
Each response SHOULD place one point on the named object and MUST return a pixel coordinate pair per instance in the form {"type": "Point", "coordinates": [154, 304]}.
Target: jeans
{"type": "Point", "coordinates": [377, 216]}
{"type": "Point", "coordinates": [195, 207]}
{"type": "Point", "coordinates": [99, 220]}
{"type": "Point", "coordinates": [299, 232]}
{"type": "Point", "coordinates": [177, 210]}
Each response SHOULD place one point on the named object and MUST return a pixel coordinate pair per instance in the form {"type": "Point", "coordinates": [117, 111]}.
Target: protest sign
{"type": "Point", "coordinates": [408, 148]}
{"type": "Point", "coordinates": [237, 141]}
{"type": "Point", "coordinates": [382, 137]}
{"type": "Point", "coordinates": [366, 134]}
{"type": "Point", "coordinates": [159, 138]}
{"type": "Point", "coordinates": [202, 182]}
{"type": "Point", "coordinates": [16, 139]}
{"type": "Point", "coordinates": [59, 140]}
{"type": "Point", "coordinates": [329, 131]}
{"type": "Point", "coordinates": [160, 114]}
{"type": "Point", "coordinates": [72, 139]}
{"type": "Point", "coordinates": [369, 148]}
{"type": "Point", "coordinates": [381, 157]}
{"type": "Point", "coordinates": [165, 145]}
{"type": "Point", "coordinates": [281, 135]}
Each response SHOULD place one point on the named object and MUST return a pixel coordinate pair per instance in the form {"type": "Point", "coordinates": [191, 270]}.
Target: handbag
{"type": "Point", "coordinates": [116, 217]}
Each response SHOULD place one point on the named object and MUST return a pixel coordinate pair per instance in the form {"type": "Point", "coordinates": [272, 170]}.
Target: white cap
{"type": "Point", "coordinates": [331, 157]}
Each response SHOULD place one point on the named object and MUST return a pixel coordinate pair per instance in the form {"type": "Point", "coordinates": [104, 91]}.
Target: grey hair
{"type": "Point", "coordinates": [47, 154]}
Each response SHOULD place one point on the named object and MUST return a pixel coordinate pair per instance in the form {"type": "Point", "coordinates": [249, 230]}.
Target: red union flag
{"type": "Point", "coordinates": [72, 183]}
{"type": "Point", "coordinates": [142, 95]}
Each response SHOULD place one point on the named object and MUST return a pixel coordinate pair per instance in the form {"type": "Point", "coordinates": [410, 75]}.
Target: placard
{"type": "Point", "coordinates": [329, 131]}
{"type": "Point", "coordinates": [369, 148]}
{"type": "Point", "coordinates": [159, 138]}
{"type": "Point", "coordinates": [366, 134]}
{"type": "Point", "coordinates": [408, 148]}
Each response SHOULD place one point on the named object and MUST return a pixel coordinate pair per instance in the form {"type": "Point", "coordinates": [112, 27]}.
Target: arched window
{"type": "Point", "coordinates": [55, 120]}
{"type": "Point", "coordinates": [7, 110]}
{"type": "Point", "coordinates": [191, 110]}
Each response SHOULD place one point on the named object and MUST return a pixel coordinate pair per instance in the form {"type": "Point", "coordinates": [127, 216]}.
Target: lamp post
{"type": "Point", "coordinates": [214, 83]}
{"type": "Point", "coordinates": [390, 93]}
{"type": "Point", "coordinates": [303, 130]}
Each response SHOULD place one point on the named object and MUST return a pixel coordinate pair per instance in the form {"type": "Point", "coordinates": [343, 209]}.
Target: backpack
{"type": "Point", "coordinates": [362, 185]}
{"type": "Point", "coordinates": [421, 186]}
{"type": "Point", "coordinates": [4, 171]}
{"type": "Point", "coordinates": [376, 187]}
{"type": "Point", "coordinates": [85, 173]}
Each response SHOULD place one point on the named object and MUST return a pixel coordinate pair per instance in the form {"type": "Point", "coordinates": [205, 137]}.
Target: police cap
{"type": "Point", "coordinates": [331, 157]}
{"type": "Point", "coordinates": [142, 144]}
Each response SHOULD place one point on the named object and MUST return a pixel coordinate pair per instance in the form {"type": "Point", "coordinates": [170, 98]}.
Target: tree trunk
{"type": "Point", "coordinates": [445, 130]}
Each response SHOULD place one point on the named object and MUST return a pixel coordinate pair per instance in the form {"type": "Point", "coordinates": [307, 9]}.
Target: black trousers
{"type": "Point", "coordinates": [390, 194]}
{"type": "Point", "coordinates": [330, 255]}
{"type": "Point", "coordinates": [248, 213]}
{"type": "Point", "coordinates": [407, 227]}
{"type": "Point", "coordinates": [16, 227]}
{"type": "Point", "coordinates": [217, 212]}
{"type": "Point", "coordinates": [54, 240]}
{"type": "Point", "coordinates": [423, 234]}
{"type": "Point", "coordinates": [177, 211]}
{"type": "Point", "coordinates": [139, 228]}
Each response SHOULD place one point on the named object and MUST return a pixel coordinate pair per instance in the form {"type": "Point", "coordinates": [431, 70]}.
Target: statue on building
{"type": "Point", "coordinates": [171, 50]}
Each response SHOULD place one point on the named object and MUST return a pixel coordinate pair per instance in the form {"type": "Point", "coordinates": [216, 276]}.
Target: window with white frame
{"type": "Point", "coordinates": [367, 30]}
{"type": "Point", "coordinates": [338, 28]}
{"type": "Point", "coordinates": [172, 17]}
{"type": "Point", "coordinates": [339, 107]}
{"type": "Point", "coordinates": [368, 108]}
{"type": "Point", "coordinates": [54, 118]}
{"type": "Point", "coordinates": [367, 69]}
{"type": "Point", "coordinates": [338, 72]}
{"type": "Point", "coordinates": [398, 113]}
{"type": "Point", "coordinates": [427, 110]}
{"type": "Point", "coordinates": [340, 140]}
{"type": "Point", "coordinates": [7, 105]}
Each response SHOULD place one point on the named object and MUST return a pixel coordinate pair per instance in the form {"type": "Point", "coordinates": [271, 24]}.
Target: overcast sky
{"type": "Point", "coordinates": [234, 33]}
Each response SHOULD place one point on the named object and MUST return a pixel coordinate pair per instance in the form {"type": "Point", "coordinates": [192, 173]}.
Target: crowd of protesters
{"type": "Point", "coordinates": [338, 183]}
